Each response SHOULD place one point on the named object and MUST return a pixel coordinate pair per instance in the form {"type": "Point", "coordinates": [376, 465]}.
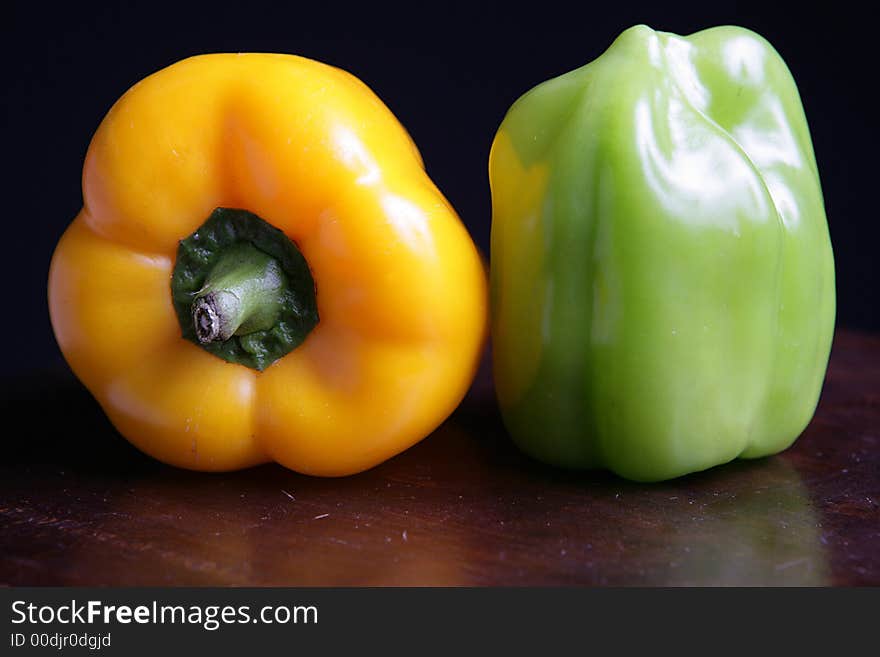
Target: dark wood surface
{"type": "Point", "coordinates": [78, 506]}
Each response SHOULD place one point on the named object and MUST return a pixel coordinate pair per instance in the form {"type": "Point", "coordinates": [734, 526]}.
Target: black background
{"type": "Point", "coordinates": [448, 71]}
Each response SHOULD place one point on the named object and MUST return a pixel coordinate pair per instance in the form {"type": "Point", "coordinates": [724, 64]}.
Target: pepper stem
{"type": "Point", "coordinates": [243, 293]}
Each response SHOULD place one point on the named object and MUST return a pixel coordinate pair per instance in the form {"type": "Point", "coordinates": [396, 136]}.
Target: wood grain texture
{"type": "Point", "coordinates": [78, 506]}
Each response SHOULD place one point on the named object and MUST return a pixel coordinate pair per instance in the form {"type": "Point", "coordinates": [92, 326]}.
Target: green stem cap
{"type": "Point", "coordinates": [242, 290]}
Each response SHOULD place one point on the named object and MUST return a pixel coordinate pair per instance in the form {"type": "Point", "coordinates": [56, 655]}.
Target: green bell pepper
{"type": "Point", "coordinates": [662, 274]}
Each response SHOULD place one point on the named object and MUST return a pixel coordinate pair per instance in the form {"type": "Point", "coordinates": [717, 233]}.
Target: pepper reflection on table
{"type": "Point", "coordinates": [464, 507]}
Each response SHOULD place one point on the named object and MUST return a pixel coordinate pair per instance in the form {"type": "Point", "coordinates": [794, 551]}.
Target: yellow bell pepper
{"type": "Point", "coordinates": [393, 342]}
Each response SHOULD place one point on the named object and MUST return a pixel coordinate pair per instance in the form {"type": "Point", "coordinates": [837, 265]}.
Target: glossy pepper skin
{"type": "Point", "coordinates": [662, 276]}
{"type": "Point", "coordinates": [401, 289]}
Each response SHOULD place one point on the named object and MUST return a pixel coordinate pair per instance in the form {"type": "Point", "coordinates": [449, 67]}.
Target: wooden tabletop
{"type": "Point", "coordinates": [79, 506]}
